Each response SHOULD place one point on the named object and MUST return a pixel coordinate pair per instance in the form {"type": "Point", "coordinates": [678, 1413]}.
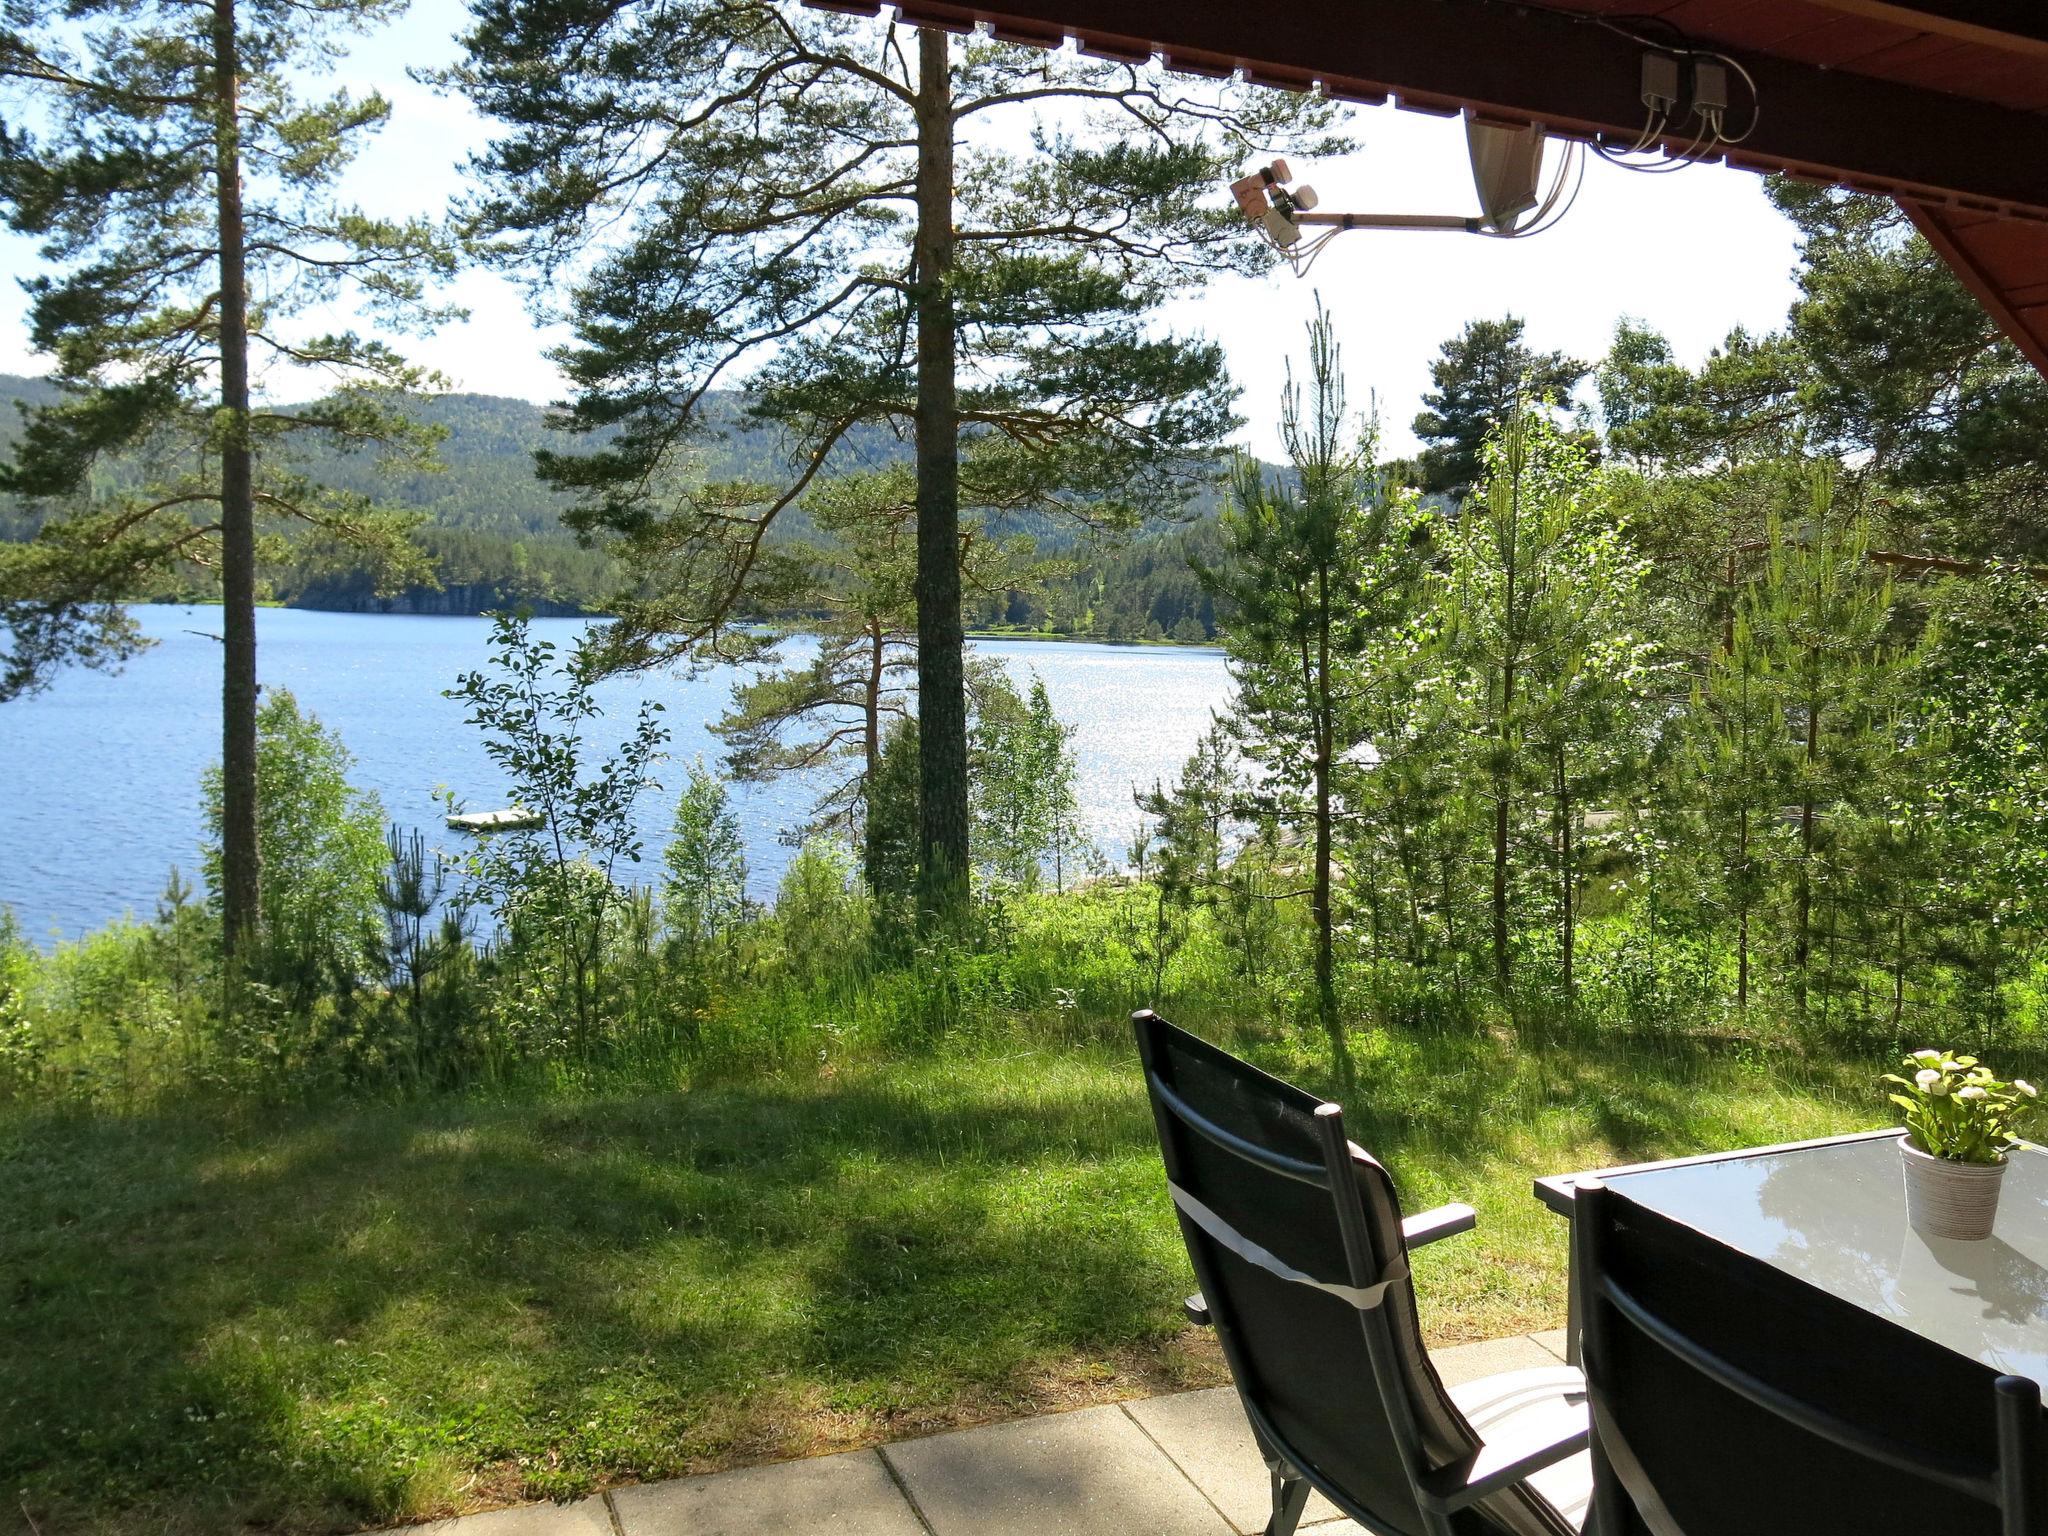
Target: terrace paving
{"type": "Point", "coordinates": [1182, 1465]}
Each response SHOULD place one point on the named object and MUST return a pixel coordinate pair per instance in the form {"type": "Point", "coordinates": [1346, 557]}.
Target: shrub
{"type": "Point", "coordinates": [21, 1047]}
{"type": "Point", "coordinates": [822, 916]}
{"type": "Point", "coordinates": [704, 890]}
{"type": "Point", "coordinates": [556, 889]}
{"type": "Point", "coordinates": [103, 1021]}
{"type": "Point", "coordinates": [322, 846]}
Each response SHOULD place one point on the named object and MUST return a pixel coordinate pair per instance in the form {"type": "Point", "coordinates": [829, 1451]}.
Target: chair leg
{"type": "Point", "coordinates": [1290, 1498]}
{"type": "Point", "coordinates": [1610, 1510]}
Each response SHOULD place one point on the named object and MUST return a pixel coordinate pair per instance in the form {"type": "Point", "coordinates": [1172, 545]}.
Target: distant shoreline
{"type": "Point", "coordinates": [1038, 637]}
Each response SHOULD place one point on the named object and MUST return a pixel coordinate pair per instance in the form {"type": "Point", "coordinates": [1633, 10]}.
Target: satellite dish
{"type": "Point", "coordinates": [1507, 164]}
{"type": "Point", "coordinates": [1507, 172]}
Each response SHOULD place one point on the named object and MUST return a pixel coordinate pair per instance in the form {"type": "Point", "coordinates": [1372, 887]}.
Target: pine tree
{"type": "Point", "coordinates": [182, 189]}
{"type": "Point", "coordinates": [1982, 708]}
{"type": "Point", "coordinates": [1823, 613]}
{"type": "Point", "coordinates": [1401, 782]}
{"type": "Point", "coordinates": [1646, 398]}
{"type": "Point", "coordinates": [1520, 637]}
{"type": "Point", "coordinates": [853, 583]}
{"type": "Point", "coordinates": [1586, 687]}
{"type": "Point", "coordinates": [1732, 770]}
{"type": "Point", "coordinates": [1479, 379]}
{"type": "Point", "coordinates": [817, 210]}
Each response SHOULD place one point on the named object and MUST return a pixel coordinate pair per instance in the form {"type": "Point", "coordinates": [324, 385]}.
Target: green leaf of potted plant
{"type": "Point", "coordinates": [1960, 1120]}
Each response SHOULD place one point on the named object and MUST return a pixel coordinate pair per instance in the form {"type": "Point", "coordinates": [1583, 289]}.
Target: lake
{"type": "Point", "coordinates": [99, 776]}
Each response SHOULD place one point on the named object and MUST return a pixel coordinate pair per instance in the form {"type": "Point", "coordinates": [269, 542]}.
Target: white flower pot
{"type": "Point", "coordinates": [1950, 1199]}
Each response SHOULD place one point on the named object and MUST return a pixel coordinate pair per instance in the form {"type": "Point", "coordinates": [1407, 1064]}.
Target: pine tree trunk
{"type": "Point", "coordinates": [1803, 939]}
{"type": "Point", "coordinates": [1742, 910]}
{"type": "Point", "coordinates": [1899, 964]}
{"type": "Point", "coordinates": [1326, 967]}
{"type": "Point", "coordinates": [1411, 877]}
{"type": "Point", "coordinates": [1451, 930]}
{"type": "Point", "coordinates": [1316, 676]}
{"type": "Point", "coordinates": [1504, 766]}
{"type": "Point", "coordinates": [941, 642]}
{"type": "Point", "coordinates": [241, 898]}
{"type": "Point", "coordinates": [1500, 846]}
{"type": "Point", "coordinates": [871, 744]}
{"type": "Point", "coordinates": [1567, 935]}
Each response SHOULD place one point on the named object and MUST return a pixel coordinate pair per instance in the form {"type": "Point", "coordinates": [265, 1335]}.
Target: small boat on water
{"type": "Point", "coordinates": [512, 819]}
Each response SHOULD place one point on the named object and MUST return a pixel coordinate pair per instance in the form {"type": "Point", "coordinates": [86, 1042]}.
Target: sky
{"type": "Point", "coordinates": [1692, 254]}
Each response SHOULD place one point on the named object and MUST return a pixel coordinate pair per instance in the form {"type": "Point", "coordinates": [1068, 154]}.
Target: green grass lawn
{"type": "Point", "coordinates": [320, 1321]}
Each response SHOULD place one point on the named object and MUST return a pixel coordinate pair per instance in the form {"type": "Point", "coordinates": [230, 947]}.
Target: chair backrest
{"type": "Point", "coordinates": [1730, 1397]}
{"type": "Point", "coordinates": [1329, 1363]}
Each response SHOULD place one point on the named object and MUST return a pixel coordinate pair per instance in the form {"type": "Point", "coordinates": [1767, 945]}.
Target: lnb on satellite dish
{"type": "Point", "coordinates": [1284, 230]}
{"type": "Point", "coordinates": [1254, 192]}
{"type": "Point", "coordinates": [1265, 198]}
{"type": "Point", "coordinates": [1507, 171]}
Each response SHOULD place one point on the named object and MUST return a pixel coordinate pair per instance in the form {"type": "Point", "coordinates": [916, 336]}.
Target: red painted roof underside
{"type": "Point", "coordinates": [1977, 53]}
{"type": "Point", "coordinates": [2002, 260]}
{"type": "Point", "coordinates": [2010, 72]}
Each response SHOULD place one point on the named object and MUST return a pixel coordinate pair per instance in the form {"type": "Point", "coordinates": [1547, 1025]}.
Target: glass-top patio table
{"type": "Point", "coordinates": [1833, 1213]}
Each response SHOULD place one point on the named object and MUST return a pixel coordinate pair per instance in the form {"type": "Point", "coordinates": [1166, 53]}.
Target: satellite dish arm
{"type": "Point", "coordinates": [1466, 224]}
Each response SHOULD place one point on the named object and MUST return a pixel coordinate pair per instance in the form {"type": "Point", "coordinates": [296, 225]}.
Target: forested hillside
{"type": "Point", "coordinates": [495, 535]}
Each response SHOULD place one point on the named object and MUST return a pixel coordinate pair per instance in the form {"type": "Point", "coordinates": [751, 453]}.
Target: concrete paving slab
{"type": "Point", "coordinates": [1461, 1363]}
{"type": "Point", "coordinates": [585, 1517]}
{"type": "Point", "coordinates": [1551, 1339]}
{"type": "Point", "coordinates": [1092, 1472]}
{"type": "Point", "coordinates": [1206, 1435]}
{"type": "Point", "coordinates": [846, 1495]}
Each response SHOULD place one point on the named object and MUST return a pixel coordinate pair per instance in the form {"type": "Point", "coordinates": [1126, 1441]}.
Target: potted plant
{"type": "Point", "coordinates": [1960, 1119]}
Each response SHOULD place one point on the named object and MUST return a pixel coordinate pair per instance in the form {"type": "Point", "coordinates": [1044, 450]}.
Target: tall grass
{"type": "Point", "coordinates": [125, 1020]}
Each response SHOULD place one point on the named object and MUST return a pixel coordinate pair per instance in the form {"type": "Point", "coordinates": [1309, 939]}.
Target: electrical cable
{"type": "Point", "coordinates": [1676, 42]}
{"type": "Point", "coordinates": [1755, 101]}
{"type": "Point", "coordinates": [1668, 161]}
{"type": "Point", "coordinates": [1546, 220]}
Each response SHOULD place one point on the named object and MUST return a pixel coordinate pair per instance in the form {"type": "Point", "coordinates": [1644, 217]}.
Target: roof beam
{"type": "Point", "coordinates": [1523, 63]}
{"type": "Point", "coordinates": [1933, 224]}
{"type": "Point", "coordinates": [2015, 26]}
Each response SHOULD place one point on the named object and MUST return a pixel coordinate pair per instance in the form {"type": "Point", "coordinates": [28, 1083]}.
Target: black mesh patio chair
{"type": "Point", "coordinates": [1731, 1398]}
{"type": "Point", "coordinates": [1299, 1247]}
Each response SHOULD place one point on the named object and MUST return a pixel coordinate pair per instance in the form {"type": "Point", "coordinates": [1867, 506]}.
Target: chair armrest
{"type": "Point", "coordinates": [1197, 1309]}
{"type": "Point", "coordinates": [1490, 1469]}
{"type": "Point", "coordinates": [1444, 1221]}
